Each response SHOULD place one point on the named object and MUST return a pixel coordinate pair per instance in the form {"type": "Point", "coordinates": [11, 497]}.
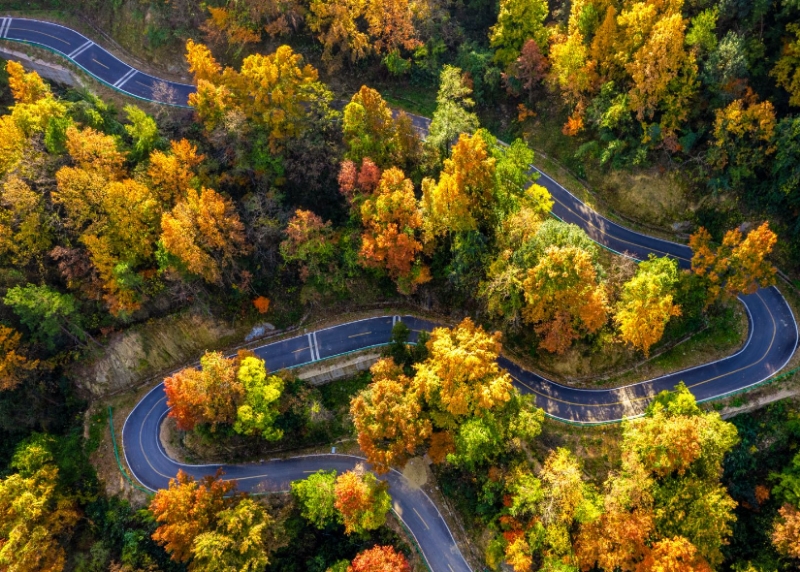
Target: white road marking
{"type": "Point", "coordinates": [6, 27]}
{"type": "Point", "coordinates": [121, 81]}
{"type": "Point", "coordinates": [316, 344]}
{"type": "Point", "coordinates": [311, 346]}
{"type": "Point", "coordinates": [80, 49]}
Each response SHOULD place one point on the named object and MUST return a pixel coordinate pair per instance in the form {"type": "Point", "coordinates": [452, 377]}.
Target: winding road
{"type": "Point", "coordinates": [771, 343]}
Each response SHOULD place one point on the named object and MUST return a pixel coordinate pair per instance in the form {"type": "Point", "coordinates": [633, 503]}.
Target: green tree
{"type": "Point", "coordinates": [702, 33]}
{"type": "Point", "coordinates": [316, 496]}
{"type": "Point", "coordinates": [369, 128]}
{"type": "Point", "coordinates": [785, 166]}
{"type": "Point", "coordinates": [787, 483]}
{"type": "Point", "coordinates": [259, 409]}
{"type": "Point", "coordinates": [518, 21]}
{"type": "Point", "coordinates": [143, 130]}
{"type": "Point", "coordinates": [46, 313]}
{"type": "Point", "coordinates": [452, 116]}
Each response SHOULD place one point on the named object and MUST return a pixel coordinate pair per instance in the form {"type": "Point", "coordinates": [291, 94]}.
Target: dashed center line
{"type": "Point", "coordinates": [359, 335]}
{"type": "Point", "coordinates": [422, 519]}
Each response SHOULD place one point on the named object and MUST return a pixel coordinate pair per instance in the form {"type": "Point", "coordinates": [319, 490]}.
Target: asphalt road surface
{"type": "Point", "coordinates": [772, 340]}
{"type": "Point", "coordinates": [95, 60]}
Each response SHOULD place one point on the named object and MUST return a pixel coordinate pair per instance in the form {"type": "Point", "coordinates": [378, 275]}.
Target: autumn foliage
{"type": "Point", "coordinates": [362, 501]}
{"type": "Point", "coordinates": [208, 525]}
{"type": "Point", "coordinates": [738, 266]}
{"type": "Point", "coordinates": [226, 391]}
{"type": "Point", "coordinates": [564, 298]}
{"type": "Point", "coordinates": [392, 220]}
{"type": "Point", "coordinates": [786, 532]}
{"type": "Point", "coordinates": [646, 304]}
{"type": "Point", "coordinates": [379, 559]}
{"type": "Point", "coordinates": [388, 417]}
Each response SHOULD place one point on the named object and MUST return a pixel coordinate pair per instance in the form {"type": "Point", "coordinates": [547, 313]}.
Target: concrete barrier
{"type": "Point", "coordinates": [348, 365]}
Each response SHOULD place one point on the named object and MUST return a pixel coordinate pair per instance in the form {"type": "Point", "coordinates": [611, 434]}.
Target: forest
{"type": "Point", "coordinates": [344, 156]}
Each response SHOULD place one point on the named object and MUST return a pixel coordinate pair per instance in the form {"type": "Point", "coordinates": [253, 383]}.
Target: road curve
{"type": "Point", "coordinates": [771, 343]}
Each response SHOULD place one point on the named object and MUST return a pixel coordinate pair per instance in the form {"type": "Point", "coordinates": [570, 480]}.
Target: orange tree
{"type": "Point", "coordinates": [362, 501]}
{"type": "Point", "coordinates": [379, 559]}
{"type": "Point", "coordinates": [738, 266]}
{"type": "Point", "coordinates": [388, 416]}
{"type": "Point", "coordinates": [391, 219]}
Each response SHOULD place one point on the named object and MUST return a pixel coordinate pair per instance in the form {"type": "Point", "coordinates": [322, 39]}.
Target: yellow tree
{"type": "Point", "coordinates": [12, 144]}
{"type": "Point", "coordinates": [171, 173]}
{"type": "Point", "coordinates": [336, 25]}
{"type": "Point", "coordinates": [663, 72]}
{"type": "Point", "coordinates": [26, 87]}
{"type": "Point", "coordinates": [35, 516]}
{"type": "Point", "coordinates": [128, 235]}
{"type": "Point", "coordinates": [738, 266]}
{"type": "Point", "coordinates": [463, 196]}
{"type": "Point", "coordinates": [391, 220]}
{"type": "Point", "coordinates": [14, 364]}
{"type": "Point", "coordinates": [787, 69]}
{"type": "Point", "coordinates": [646, 304]}
{"type": "Point", "coordinates": [81, 193]}
{"type": "Point", "coordinates": [95, 151]}
{"type": "Point", "coordinates": [461, 377]}
{"type": "Point", "coordinates": [603, 49]}
{"type": "Point", "coordinates": [35, 105]}
{"type": "Point", "coordinates": [388, 417]}
{"type": "Point", "coordinates": [25, 233]}
{"type": "Point", "coordinates": [204, 232]}
{"type": "Point", "coordinates": [270, 90]}
{"type": "Point", "coordinates": [563, 297]}
{"type": "Point", "coordinates": [743, 137]}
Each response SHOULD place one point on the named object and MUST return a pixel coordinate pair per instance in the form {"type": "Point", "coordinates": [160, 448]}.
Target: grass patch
{"type": "Point", "coordinates": [414, 99]}
{"type": "Point", "coordinates": [97, 428]}
{"type": "Point", "coordinates": [337, 394]}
